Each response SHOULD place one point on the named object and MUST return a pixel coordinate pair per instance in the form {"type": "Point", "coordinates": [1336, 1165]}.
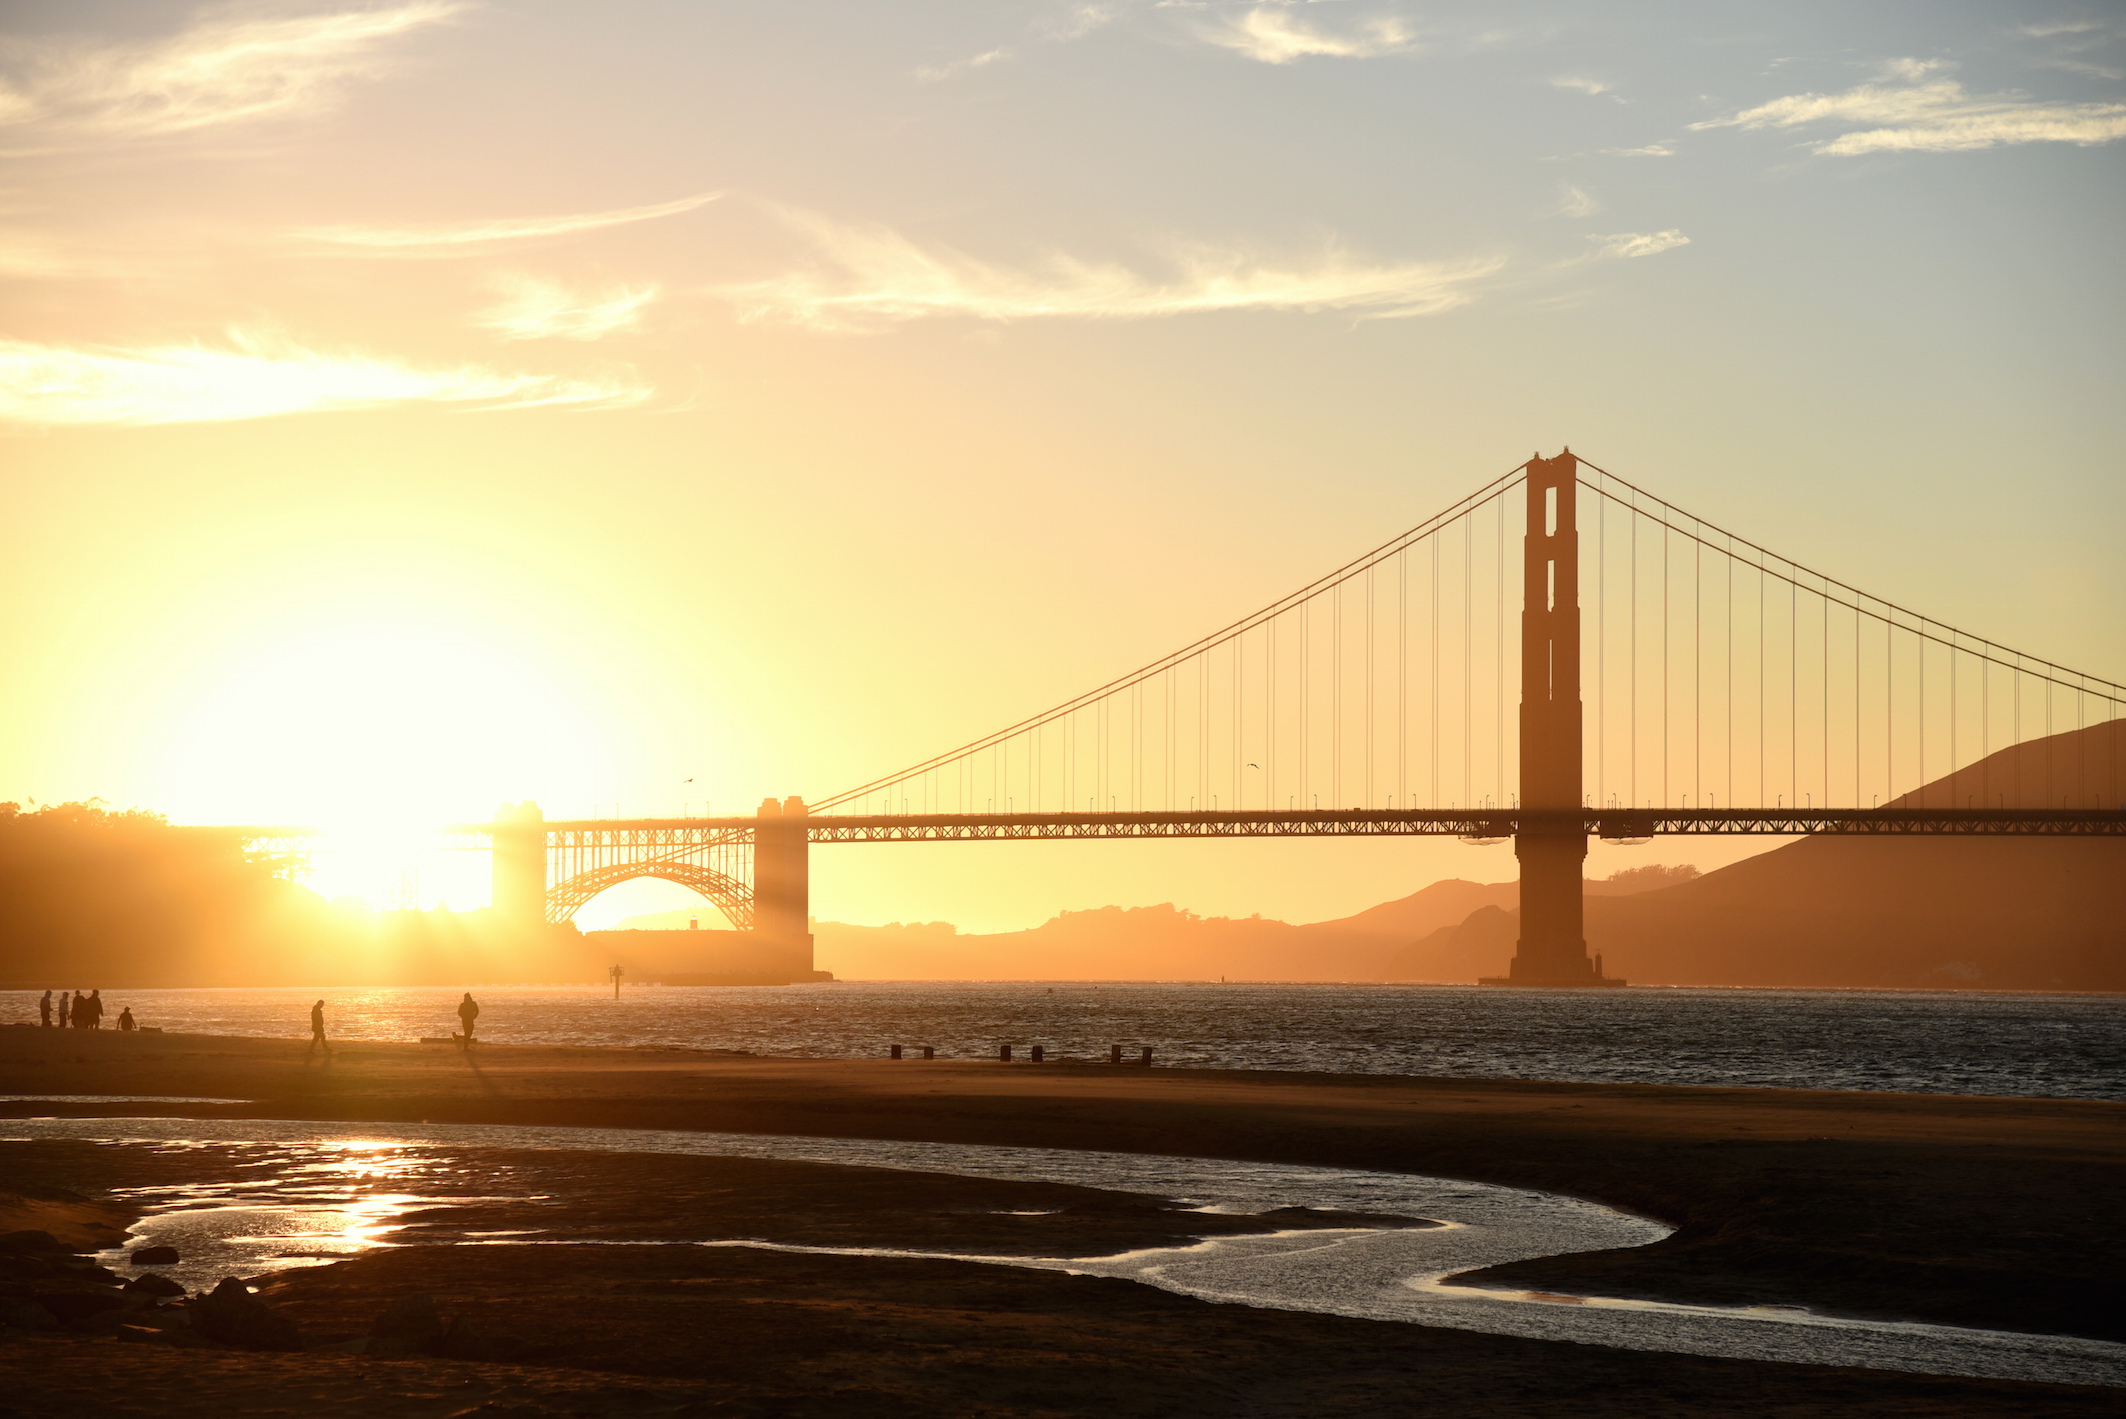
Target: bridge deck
{"type": "Point", "coordinates": [1357, 822]}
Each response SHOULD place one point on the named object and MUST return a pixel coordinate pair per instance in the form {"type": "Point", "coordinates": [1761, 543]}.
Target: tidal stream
{"type": "Point", "coordinates": [1398, 1274]}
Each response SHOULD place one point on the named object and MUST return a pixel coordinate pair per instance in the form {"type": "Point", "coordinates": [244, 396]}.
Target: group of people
{"type": "Point", "coordinates": [79, 1010]}
{"type": "Point", "coordinates": [468, 1011]}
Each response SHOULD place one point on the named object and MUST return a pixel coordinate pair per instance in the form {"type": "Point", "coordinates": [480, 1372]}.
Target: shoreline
{"type": "Point", "coordinates": [10, 987]}
{"type": "Point", "coordinates": [1974, 1212]}
{"type": "Point", "coordinates": [1955, 1209]}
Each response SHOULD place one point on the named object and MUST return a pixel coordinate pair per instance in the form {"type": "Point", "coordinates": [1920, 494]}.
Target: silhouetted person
{"type": "Point", "coordinates": [93, 1010]}
{"type": "Point", "coordinates": [66, 1009]}
{"type": "Point", "coordinates": [468, 1011]}
{"type": "Point", "coordinates": [317, 1029]}
{"type": "Point", "coordinates": [125, 1019]}
{"type": "Point", "coordinates": [44, 1011]}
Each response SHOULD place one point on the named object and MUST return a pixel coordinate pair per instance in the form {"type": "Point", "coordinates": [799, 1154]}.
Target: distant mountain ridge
{"type": "Point", "coordinates": [2008, 913]}
{"type": "Point", "coordinates": [2020, 913]}
{"type": "Point", "coordinates": [1163, 942]}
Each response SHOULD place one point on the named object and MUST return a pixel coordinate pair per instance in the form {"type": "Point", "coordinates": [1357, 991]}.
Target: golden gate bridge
{"type": "Point", "coordinates": [1665, 676]}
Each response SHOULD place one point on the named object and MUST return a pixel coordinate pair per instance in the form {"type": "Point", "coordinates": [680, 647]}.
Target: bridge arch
{"type": "Point", "coordinates": [732, 897]}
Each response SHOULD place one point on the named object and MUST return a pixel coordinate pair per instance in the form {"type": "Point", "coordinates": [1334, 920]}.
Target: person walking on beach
{"type": "Point", "coordinates": [125, 1019]}
{"type": "Point", "coordinates": [44, 1011]}
{"type": "Point", "coordinates": [468, 1011]}
{"type": "Point", "coordinates": [317, 1029]}
{"type": "Point", "coordinates": [93, 1010]}
{"type": "Point", "coordinates": [66, 1010]}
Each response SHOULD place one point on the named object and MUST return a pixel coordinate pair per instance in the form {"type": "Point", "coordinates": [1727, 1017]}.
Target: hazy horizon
{"type": "Point", "coordinates": [415, 406]}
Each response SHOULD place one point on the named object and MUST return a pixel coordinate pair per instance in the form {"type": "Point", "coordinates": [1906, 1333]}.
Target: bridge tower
{"type": "Point", "coordinates": [782, 884]}
{"type": "Point", "coordinates": [517, 865]}
{"type": "Point", "coordinates": [1552, 950]}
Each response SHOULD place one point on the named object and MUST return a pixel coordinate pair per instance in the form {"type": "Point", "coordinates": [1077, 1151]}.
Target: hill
{"type": "Point", "coordinates": [1165, 943]}
{"type": "Point", "coordinates": [2010, 913]}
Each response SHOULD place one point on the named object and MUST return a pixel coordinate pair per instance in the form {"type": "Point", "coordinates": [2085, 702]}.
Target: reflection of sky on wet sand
{"type": "Point", "coordinates": [283, 1206]}
{"type": "Point", "coordinates": [308, 1199]}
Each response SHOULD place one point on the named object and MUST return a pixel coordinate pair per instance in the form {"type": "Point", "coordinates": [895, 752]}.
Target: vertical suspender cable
{"type": "Point", "coordinates": [2017, 742]}
{"type": "Point", "coordinates": [1468, 658]}
{"type": "Point", "coordinates": [1367, 797]}
{"type": "Point", "coordinates": [1601, 649]}
{"type": "Point", "coordinates": [1269, 715]}
{"type": "Point", "coordinates": [1336, 695]}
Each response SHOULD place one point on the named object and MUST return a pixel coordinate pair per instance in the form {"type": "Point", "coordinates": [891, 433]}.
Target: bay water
{"type": "Point", "coordinates": [2054, 1046]}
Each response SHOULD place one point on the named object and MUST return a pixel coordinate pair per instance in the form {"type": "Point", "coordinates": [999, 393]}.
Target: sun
{"type": "Point", "coordinates": [378, 725]}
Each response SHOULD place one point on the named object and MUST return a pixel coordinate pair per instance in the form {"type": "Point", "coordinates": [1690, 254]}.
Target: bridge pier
{"type": "Point", "coordinates": [1552, 950]}
{"type": "Point", "coordinates": [782, 883]}
{"type": "Point", "coordinates": [517, 865]}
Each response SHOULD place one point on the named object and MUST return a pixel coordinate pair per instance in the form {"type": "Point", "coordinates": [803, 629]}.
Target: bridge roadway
{"type": "Point", "coordinates": [1345, 822]}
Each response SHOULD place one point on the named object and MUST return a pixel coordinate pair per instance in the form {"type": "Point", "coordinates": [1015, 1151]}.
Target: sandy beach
{"type": "Point", "coordinates": [1973, 1212]}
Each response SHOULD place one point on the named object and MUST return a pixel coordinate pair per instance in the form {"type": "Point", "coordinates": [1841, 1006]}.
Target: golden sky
{"type": "Point", "coordinates": [410, 407]}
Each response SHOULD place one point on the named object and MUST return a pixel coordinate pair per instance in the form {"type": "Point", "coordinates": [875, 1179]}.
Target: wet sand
{"type": "Point", "coordinates": [1967, 1211]}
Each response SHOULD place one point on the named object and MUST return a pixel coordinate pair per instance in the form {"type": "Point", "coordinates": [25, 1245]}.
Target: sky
{"type": "Point", "coordinates": [411, 407]}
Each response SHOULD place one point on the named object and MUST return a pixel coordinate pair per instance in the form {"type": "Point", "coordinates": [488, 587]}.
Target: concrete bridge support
{"type": "Point", "coordinates": [782, 884]}
{"type": "Point", "coordinates": [1552, 950]}
{"type": "Point", "coordinates": [517, 865]}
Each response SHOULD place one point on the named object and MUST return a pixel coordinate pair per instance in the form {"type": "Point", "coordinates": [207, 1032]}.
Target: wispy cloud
{"type": "Point", "coordinates": [537, 309]}
{"type": "Point", "coordinates": [2072, 41]}
{"type": "Point", "coordinates": [1651, 150]}
{"type": "Point", "coordinates": [464, 238]}
{"type": "Point", "coordinates": [1578, 203]}
{"type": "Point", "coordinates": [220, 71]}
{"type": "Point", "coordinates": [871, 275]}
{"type": "Point", "coordinates": [1072, 22]}
{"type": "Point", "coordinates": [252, 378]}
{"type": "Point", "coordinates": [1078, 20]}
{"type": "Point", "coordinates": [1593, 88]}
{"type": "Point", "coordinates": [1931, 114]}
{"type": "Point", "coordinates": [1274, 34]}
{"type": "Point", "coordinates": [1630, 244]}
{"type": "Point", "coordinates": [938, 73]}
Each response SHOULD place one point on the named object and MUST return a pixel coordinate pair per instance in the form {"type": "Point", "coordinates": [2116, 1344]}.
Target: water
{"type": "Point", "coordinates": [2051, 1046]}
{"type": "Point", "coordinates": [334, 1190]}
